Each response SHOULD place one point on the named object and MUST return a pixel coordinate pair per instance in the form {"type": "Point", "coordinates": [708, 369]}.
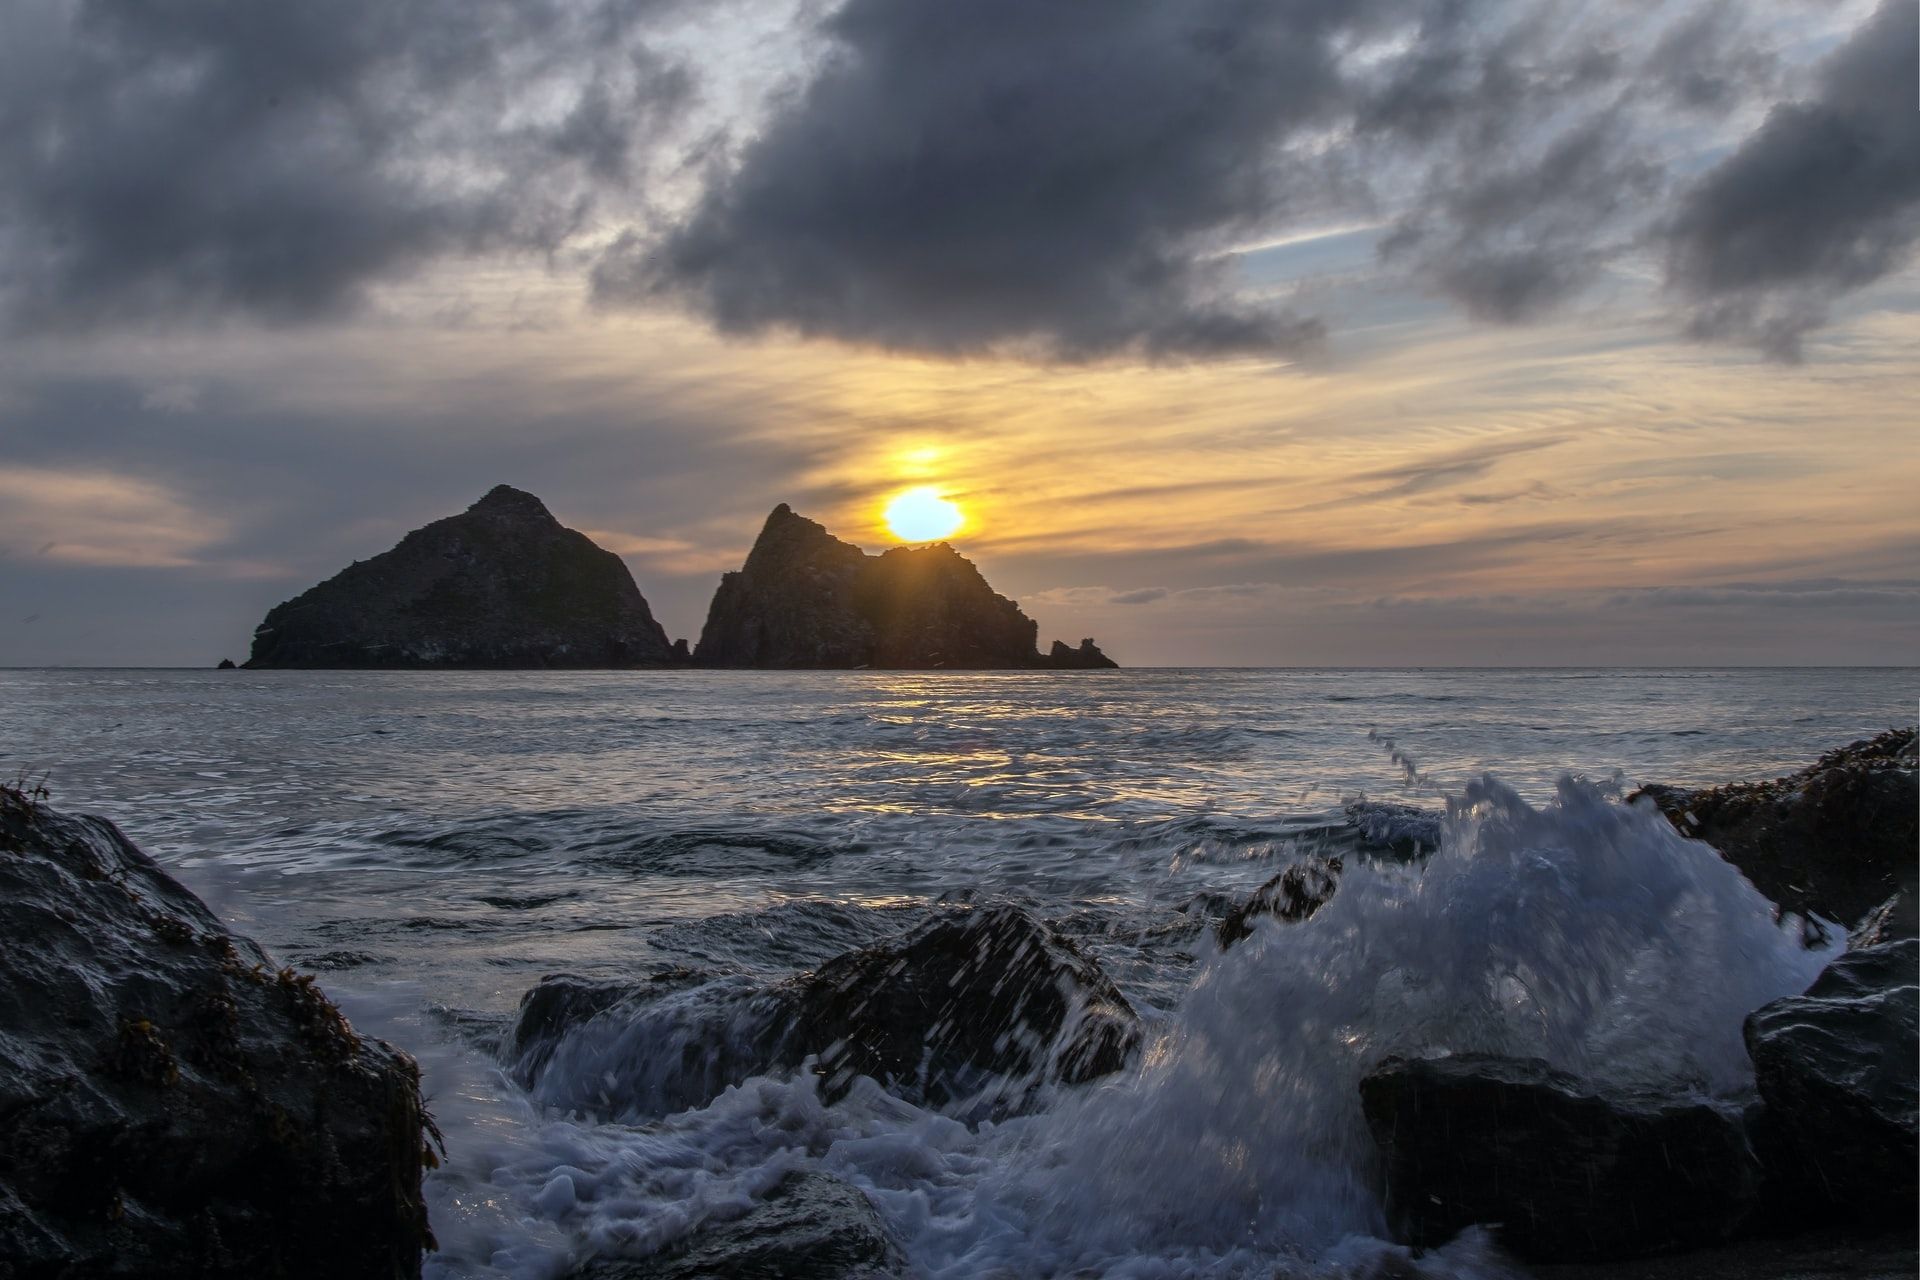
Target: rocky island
{"type": "Point", "coordinates": [501, 585]}
{"type": "Point", "coordinates": [805, 598]}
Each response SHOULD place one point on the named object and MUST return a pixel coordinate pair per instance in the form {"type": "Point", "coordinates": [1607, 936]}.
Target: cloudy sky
{"type": "Point", "coordinates": [1244, 331]}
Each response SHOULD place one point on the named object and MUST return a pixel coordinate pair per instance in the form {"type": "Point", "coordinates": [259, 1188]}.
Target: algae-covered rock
{"type": "Point", "coordinates": [171, 1104]}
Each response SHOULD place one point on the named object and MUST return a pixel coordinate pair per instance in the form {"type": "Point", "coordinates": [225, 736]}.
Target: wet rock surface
{"type": "Point", "coordinates": [501, 585]}
{"type": "Point", "coordinates": [964, 998]}
{"type": "Point", "coordinates": [1293, 895]}
{"type": "Point", "coordinates": [1567, 1169]}
{"type": "Point", "coordinates": [976, 1004]}
{"type": "Point", "coordinates": [805, 599]}
{"type": "Point", "coordinates": [810, 1227]}
{"type": "Point", "coordinates": [1837, 1070]}
{"type": "Point", "coordinates": [1827, 1255]}
{"type": "Point", "coordinates": [1836, 838]}
{"type": "Point", "coordinates": [172, 1105]}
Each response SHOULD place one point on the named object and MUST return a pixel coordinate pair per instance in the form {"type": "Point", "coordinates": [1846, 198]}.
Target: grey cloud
{"type": "Point", "coordinates": [1708, 59]}
{"type": "Point", "coordinates": [1443, 470]}
{"type": "Point", "coordinates": [187, 157]}
{"type": "Point", "coordinates": [1823, 199]}
{"type": "Point", "coordinates": [1051, 178]}
{"type": "Point", "coordinates": [1510, 241]}
{"type": "Point", "coordinates": [1057, 179]}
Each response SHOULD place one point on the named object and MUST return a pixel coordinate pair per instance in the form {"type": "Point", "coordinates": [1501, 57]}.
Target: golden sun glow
{"type": "Point", "coordinates": [920, 514]}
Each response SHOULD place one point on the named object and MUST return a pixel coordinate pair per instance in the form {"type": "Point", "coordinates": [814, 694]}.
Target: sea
{"type": "Point", "coordinates": [433, 843]}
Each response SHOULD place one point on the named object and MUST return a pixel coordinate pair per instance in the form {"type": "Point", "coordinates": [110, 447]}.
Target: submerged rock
{"type": "Point", "coordinates": [806, 599]}
{"type": "Point", "coordinates": [173, 1106]}
{"type": "Point", "coordinates": [1836, 839]}
{"type": "Point", "coordinates": [974, 1005]}
{"type": "Point", "coordinates": [810, 1227]}
{"type": "Point", "coordinates": [1564, 1169]}
{"type": "Point", "coordinates": [1293, 895]}
{"type": "Point", "coordinates": [501, 585]}
{"type": "Point", "coordinates": [1837, 1069]}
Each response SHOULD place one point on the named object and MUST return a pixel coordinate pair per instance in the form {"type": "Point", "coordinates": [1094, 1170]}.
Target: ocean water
{"type": "Point", "coordinates": [433, 843]}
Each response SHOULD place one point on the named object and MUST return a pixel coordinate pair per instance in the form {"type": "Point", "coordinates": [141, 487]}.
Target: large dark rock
{"type": "Point", "coordinates": [1836, 839]}
{"type": "Point", "coordinates": [503, 584]}
{"type": "Point", "coordinates": [171, 1105]}
{"type": "Point", "coordinates": [810, 1227]}
{"type": "Point", "coordinates": [967, 997]}
{"type": "Point", "coordinates": [1568, 1171]}
{"type": "Point", "coordinates": [974, 1006]}
{"type": "Point", "coordinates": [805, 599]}
{"type": "Point", "coordinates": [1837, 1069]}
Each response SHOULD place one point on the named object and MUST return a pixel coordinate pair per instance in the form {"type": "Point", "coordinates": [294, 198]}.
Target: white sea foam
{"type": "Point", "coordinates": [1582, 931]}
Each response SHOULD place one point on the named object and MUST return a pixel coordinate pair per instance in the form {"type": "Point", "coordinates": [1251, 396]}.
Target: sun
{"type": "Point", "coordinates": [922, 515]}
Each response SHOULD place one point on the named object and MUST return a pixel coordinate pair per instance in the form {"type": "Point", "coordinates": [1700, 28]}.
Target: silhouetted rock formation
{"type": "Point", "coordinates": [1837, 838]}
{"type": "Point", "coordinates": [225, 664]}
{"type": "Point", "coordinates": [174, 1107]}
{"type": "Point", "coordinates": [503, 584]}
{"type": "Point", "coordinates": [804, 598]}
{"type": "Point", "coordinates": [1086, 658]}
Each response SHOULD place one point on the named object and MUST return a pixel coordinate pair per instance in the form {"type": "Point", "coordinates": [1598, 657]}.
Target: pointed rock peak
{"type": "Point", "coordinates": [504, 499]}
{"type": "Point", "coordinates": [788, 534]}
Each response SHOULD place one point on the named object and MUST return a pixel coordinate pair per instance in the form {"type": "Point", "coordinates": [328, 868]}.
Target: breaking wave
{"type": "Point", "coordinates": [1582, 930]}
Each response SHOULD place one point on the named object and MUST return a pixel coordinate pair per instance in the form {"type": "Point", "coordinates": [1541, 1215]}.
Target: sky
{"type": "Point", "coordinates": [1243, 332]}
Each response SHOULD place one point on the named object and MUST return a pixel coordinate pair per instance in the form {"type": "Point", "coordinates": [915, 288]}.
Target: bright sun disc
{"type": "Point", "coordinates": [922, 515]}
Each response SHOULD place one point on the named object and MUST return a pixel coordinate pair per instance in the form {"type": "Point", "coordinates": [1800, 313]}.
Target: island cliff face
{"type": "Point", "coordinates": [804, 598]}
{"type": "Point", "coordinates": [501, 585]}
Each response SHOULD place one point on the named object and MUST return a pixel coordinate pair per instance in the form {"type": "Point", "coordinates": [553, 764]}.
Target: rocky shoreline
{"type": "Point", "coordinates": [169, 1095]}
{"type": "Point", "coordinates": [172, 1104]}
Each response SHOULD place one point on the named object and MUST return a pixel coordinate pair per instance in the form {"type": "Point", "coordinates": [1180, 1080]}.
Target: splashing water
{"type": "Point", "coordinates": [1583, 931]}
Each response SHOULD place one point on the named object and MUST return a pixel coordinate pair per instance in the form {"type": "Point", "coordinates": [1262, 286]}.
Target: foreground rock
{"type": "Point", "coordinates": [501, 585]}
{"type": "Point", "coordinates": [1836, 839]}
{"type": "Point", "coordinates": [1837, 1069]}
{"type": "Point", "coordinates": [963, 999]}
{"type": "Point", "coordinates": [975, 1007]}
{"type": "Point", "coordinates": [806, 599]}
{"type": "Point", "coordinates": [1828, 1255]}
{"type": "Point", "coordinates": [810, 1227]}
{"type": "Point", "coordinates": [1567, 1170]}
{"type": "Point", "coordinates": [172, 1106]}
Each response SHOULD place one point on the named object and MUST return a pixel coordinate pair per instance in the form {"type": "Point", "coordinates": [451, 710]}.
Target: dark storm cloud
{"type": "Point", "coordinates": [1059, 178]}
{"type": "Point", "coordinates": [1054, 177]}
{"type": "Point", "coordinates": [1823, 199]}
{"type": "Point", "coordinates": [205, 156]}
